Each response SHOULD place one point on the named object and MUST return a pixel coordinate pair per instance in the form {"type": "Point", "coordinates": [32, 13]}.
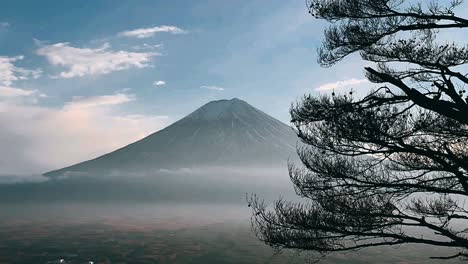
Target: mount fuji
{"type": "Point", "coordinates": [224, 133]}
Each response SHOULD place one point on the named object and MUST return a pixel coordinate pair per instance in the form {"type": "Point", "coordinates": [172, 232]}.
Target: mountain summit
{"type": "Point", "coordinates": [221, 133]}
{"type": "Point", "coordinates": [224, 109]}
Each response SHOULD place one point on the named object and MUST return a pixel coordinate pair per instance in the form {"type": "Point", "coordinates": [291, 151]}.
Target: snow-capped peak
{"type": "Point", "coordinates": [220, 109]}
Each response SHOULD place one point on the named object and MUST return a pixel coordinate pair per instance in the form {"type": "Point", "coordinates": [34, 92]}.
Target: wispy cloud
{"type": "Point", "coordinates": [10, 73]}
{"type": "Point", "coordinates": [212, 87]}
{"type": "Point", "coordinates": [10, 92]}
{"type": "Point", "coordinates": [146, 46]}
{"type": "Point", "coordinates": [341, 84]}
{"type": "Point", "coordinates": [149, 32]}
{"type": "Point", "coordinates": [103, 100]}
{"type": "Point", "coordinates": [87, 61]}
{"type": "Point", "coordinates": [159, 83]}
{"type": "Point", "coordinates": [4, 24]}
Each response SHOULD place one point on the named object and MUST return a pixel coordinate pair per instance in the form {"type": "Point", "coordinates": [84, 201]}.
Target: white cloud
{"type": "Point", "coordinates": [87, 61]}
{"type": "Point", "coordinates": [146, 46]}
{"type": "Point", "coordinates": [4, 24]}
{"type": "Point", "coordinates": [341, 84]}
{"type": "Point", "coordinates": [159, 83]}
{"type": "Point", "coordinates": [149, 32]}
{"type": "Point", "coordinates": [10, 92]}
{"type": "Point", "coordinates": [82, 129]}
{"type": "Point", "coordinates": [27, 74]}
{"type": "Point", "coordinates": [10, 73]}
{"type": "Point", "coordinates": [212, 87]}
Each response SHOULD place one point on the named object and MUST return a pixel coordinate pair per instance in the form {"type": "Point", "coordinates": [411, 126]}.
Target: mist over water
{"type": "Point", "coordinates": [207, 185]}
{"type": "Point", "coordinates": [186, 196]}
{"type": "Point", "coordinates": [189, 213]}
{"type": "Point", "coordinates": [149, 214]}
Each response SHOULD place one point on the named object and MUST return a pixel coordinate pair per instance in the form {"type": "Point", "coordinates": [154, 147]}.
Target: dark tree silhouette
{"type": "Point", "coordinates": [391, 167]}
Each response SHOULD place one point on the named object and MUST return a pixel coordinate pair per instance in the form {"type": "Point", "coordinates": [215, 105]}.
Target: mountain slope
{"type": "Point", "coordinates": [220, 133]}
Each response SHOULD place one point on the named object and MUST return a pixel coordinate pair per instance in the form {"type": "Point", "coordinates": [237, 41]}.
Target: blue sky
{"type": "Point", "coordinates": [81, 78]}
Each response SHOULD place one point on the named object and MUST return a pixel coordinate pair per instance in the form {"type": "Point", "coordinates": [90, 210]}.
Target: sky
{"type": "Point", "coordinates": [82, 78]}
